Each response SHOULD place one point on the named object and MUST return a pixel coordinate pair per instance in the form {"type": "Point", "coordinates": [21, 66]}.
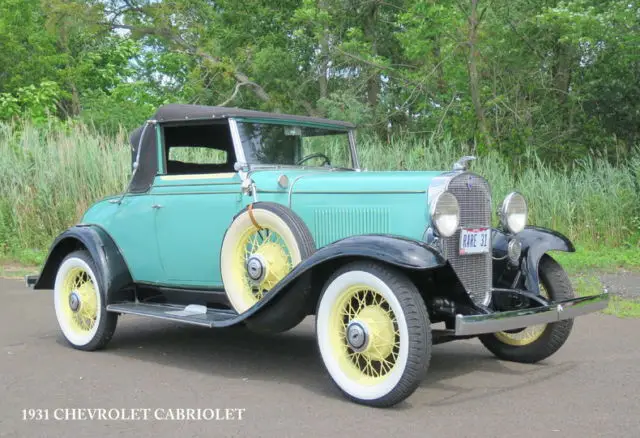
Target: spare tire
{"type": "Point", "coordinates": [263, 244]}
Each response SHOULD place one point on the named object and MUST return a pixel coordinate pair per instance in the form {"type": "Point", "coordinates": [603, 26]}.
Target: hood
{"type": "Point", "coordinates": [322, 181]}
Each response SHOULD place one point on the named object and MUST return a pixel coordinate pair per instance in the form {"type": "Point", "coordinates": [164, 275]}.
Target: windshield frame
{"type": "Point", "coordinates": [241, 156]}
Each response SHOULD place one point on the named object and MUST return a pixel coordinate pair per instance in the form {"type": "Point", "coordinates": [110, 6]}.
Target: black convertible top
{"type": "Point", "coordinates": [180, 113]}
{"type": "Point", "coordinates": [144, 142]}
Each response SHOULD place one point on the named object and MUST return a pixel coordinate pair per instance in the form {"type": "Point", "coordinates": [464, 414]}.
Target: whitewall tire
{"type": "Point", "coordinates": [79, 303]}
{"type": "Point", "coordinates": [373, 333]}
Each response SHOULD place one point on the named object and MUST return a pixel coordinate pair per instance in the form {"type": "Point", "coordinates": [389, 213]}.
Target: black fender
{"type": "Point", "coordinates": [536, 241]}
{"type": "Point", "coordinates": [404, 253]}
{"type": "Point", "coordinates": [112, 269]}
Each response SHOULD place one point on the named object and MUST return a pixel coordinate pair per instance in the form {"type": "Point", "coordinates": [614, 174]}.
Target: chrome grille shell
{"type": "Point", "coordinates": [474, 197]}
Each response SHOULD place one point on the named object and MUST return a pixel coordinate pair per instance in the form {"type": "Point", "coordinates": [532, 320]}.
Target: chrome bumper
{"type": "Point", "coordinates": [500, 321]}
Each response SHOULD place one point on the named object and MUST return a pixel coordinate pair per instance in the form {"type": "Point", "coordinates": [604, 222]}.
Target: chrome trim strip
{"type": "Point", "coordinates": [237, 143]}
{"type": "Point", "coordinates": [500, 321]}
{"type": "Point", "coordinates": [355, 162]}
{"type": "Point", "coordinates": [358, 192]}
{"type": "Point", "coordinates": [293, 183]}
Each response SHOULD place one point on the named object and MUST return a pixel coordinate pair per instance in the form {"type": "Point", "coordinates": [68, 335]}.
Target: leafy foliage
{"type": "Point", "coordinates": [560, 77]}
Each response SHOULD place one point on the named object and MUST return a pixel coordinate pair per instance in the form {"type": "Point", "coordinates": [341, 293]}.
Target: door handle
{"type": "Point", "coordinates": [156, 206]}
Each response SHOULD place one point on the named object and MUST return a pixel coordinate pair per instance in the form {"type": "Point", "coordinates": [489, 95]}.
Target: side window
{"type": "Point", "coordinates": [198, 155]}
{"type": "Point", "coordinates": [199, 148]}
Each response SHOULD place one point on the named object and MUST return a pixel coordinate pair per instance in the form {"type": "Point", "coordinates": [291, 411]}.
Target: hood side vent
{"type": "Point", "coordinates": [331, 224]}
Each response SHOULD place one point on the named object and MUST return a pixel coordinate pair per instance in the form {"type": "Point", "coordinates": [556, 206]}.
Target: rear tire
{"type": "Point", "coordinates": [549, 338]}
{"type": "Point", "coordinates": [373, 333]}
{"type": "Point", "coordinates": [80, 303]}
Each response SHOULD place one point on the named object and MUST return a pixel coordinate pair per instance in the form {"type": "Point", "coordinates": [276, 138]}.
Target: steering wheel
{"type": "Point", "coordinates": [315, 155]}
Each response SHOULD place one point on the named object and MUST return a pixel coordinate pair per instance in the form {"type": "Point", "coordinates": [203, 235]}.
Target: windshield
{"type": "Point", "coordinates": [295, 145]}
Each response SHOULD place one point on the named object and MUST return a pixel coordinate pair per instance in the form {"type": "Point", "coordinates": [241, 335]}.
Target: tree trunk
{"type": "Point", "coordinates": [373, 80]}
{"type": "Point", "coordinates": [472, 66]}
{"type": "Point", "coordinates": [323, 80]}
{"type": "Point", "coordinates": [562, 73]}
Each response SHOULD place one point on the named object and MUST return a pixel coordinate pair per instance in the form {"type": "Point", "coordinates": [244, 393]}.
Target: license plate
{"type": "Point", "coordinates": [475, 240]}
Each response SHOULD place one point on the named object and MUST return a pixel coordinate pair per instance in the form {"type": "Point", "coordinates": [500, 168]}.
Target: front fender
{"type": "Point", "coordinates": [113, 272]}
{"type": "Point", "coordinates": [536, 241]}
{"type": "Point", "coordinates": [398, 251]}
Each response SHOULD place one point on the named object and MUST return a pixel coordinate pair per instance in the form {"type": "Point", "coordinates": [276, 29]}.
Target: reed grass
{"type": "Point", "coordinates": [49, 175]}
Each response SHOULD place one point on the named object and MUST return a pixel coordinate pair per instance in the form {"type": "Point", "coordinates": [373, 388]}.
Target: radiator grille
{"type": "Point", "coordinates": [474, 271]}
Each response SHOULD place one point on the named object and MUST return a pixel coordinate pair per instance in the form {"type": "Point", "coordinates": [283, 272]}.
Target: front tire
{"type": "Point", "coordinates": [536, 343]}
{"type": "Point", "coordinates": [373, 333]}
{"type": "Point", "coordinates": [80, 305]}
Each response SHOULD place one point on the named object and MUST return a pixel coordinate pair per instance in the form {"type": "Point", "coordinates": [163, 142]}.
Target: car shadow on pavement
{"type": "Point", "coordinates": [463, 371]}
{"type": "Point", "coordinates": [458, 371]}
{"type": "Point", "coordinates": [234, 352]}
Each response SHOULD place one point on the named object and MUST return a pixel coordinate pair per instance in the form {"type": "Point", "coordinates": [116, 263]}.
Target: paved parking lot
{"type": "Point", "coordinates": [590, 388]}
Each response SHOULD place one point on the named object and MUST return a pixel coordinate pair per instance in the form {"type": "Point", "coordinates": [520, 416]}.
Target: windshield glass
{"type": "Point", "coordinates": [294, 145]}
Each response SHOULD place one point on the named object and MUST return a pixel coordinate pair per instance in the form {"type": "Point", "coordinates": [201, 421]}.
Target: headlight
{"type": "Point", "coordinates": [445, 214]}
{"type": "Point", "coordinates": [513, 213]}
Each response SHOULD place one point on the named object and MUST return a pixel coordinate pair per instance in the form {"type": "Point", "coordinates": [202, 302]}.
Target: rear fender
{"type": "Point", "coordinates": [536, 242]}
{"type": "Point", "coordinates": [112, 269]}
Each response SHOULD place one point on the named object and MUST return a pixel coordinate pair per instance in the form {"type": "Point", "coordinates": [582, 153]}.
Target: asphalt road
{"type": "Point", "coordinates": [590, 388]}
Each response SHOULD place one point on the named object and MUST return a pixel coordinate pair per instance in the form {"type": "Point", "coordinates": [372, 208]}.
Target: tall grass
{"type": "Point", "coordinates": [50, 175]}
{"type": "Point", "coordinates": [592, 201]}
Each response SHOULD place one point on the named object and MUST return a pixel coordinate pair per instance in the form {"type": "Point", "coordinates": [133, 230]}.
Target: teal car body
{"type": "Point", "coordinates": [178, 243]}
{"type": "Point", "coordinates": [170, 223]}
{"type": "Point", "coordinates": [240, 217]}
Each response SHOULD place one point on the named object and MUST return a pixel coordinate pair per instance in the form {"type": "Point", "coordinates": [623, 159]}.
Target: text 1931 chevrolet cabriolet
{"type": "Point", "coordinates": [244, 217]}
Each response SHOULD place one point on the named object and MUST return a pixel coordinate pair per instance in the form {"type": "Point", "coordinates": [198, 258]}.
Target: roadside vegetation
{"type": "Point", "coordinates": [544, 92]}
{"type": "Point", "coordinates": [50, 174]}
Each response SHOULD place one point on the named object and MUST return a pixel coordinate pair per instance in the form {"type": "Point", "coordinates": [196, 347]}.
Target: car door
{"type": "Point", "coordinates": [192, 213]}
{"type": "Point", "coordinates": [130, 222]}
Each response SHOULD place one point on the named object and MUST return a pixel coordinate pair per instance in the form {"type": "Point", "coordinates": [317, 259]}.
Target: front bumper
{"type": "Point", "coordinates": [467, 325]}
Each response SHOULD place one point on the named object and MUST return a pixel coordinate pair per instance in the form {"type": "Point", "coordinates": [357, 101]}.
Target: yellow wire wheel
{"type": "Point", "coordinates": [78, 303]}
{"type": "Point", "coordinates": [373, 333]}
{"type": "Point", "coordinates": [262, 245]}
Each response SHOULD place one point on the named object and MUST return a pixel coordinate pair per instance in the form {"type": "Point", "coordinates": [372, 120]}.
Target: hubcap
{"type": "Point", "coordinates": [266, 260]}
{"type": "Point", "coordinates": [367, 338]}
{"type": "Point", "coordinates": [78, 299]}
{"type": "Point", "coordinates": [357, 336]}
{"type": "Point", "coordinates": [256, 268]}
{"type": "Point", "coordinates": [74, 301]}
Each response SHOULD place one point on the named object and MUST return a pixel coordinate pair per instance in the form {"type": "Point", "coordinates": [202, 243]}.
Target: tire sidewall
{"type": "Point", "coordinates": [332, 292]}
{"type": "Point", "coordinates": [79, 260]}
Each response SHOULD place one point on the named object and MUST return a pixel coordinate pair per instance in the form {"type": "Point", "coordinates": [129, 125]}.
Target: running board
{"type": "Point", "coordinates": [194, 314]}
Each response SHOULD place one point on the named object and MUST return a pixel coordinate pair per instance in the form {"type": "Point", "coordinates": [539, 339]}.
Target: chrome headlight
{"type": "Point", "coordinates": [513, 213]}
{"type": "Point", "coordinates": [445, 214]}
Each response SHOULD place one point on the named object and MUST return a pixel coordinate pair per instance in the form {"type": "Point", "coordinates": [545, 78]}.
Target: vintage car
{"type": "Point", "coordinates": [244, 217]}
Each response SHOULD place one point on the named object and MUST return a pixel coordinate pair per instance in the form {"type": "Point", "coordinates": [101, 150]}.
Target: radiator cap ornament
{"type": "Point", "coordinates": [461, 164]}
